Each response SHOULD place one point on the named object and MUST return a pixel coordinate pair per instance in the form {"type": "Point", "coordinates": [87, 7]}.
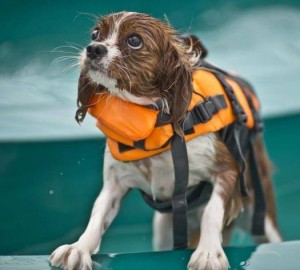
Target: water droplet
{"type": "Point", "coordinates": [78, 162]}
{"type": "Point", "coordinates": [244, 264]}
{"type": "Point", "coordinates": [61, 173]}
{"type": "Point", "coordinates": [51, 192]}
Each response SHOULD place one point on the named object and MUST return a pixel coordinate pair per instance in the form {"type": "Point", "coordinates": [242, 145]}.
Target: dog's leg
{"type": "Point", "coordinates": [271, 231]}
{"type": "Point", "coordinates": [106, 206]}
{"type": "Point", "coordinates": [209, 253]}
{"type": "Point", "coordinates": [162, 231]}
{"type": "Point", "coordinates": [272, 234]}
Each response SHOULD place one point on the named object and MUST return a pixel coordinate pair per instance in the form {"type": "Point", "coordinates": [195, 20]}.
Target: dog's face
{"type": "Point", "coordinates": [140, 59]}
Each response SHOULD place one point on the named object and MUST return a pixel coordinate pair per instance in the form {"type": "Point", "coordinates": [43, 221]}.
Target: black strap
{"type": "Point", "coordinates": [204, 111]}
{"type": "Point", "coordinates": [241, 119]}
{"type": "Point", "coordinates": [241, 158]}
{"type": "Point", "coordinates": [258, 220]}
{"type": "Point", "coordinates": [258, 123]}
{"type": "Point", "coordinates": [195, 196]}
{"type": "Point", "coordinates": [205, 65]}
{"type": "Point", "coordinates": [179, 203]}
{"type": "Point", "coordinates": [140, 145]}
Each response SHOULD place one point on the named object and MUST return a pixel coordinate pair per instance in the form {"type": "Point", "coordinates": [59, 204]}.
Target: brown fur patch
{"type": "Point", "coordinates": [226, 170]}
{"type": "Point", "coordinates": [231, 193]}
{"type": "Point", "coordinates": [86, 90]}
{"type": "Point", "coordinates": [194, 239]}
{"type": "Point", "coordinates": [105, 226]}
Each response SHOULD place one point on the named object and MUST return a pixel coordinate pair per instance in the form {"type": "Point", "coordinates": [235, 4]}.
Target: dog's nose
{"type": "Point", "coordinates": [96, 51]}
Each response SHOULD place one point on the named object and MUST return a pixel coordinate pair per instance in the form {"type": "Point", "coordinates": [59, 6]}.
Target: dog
{"type": "Point", "coordinates": [143, 60]}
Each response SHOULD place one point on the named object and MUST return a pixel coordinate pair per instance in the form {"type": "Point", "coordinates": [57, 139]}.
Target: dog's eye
{"type": "Point", "coordinates": [95, 34]}
{"type": "Point", "coordinates": [134, 42]}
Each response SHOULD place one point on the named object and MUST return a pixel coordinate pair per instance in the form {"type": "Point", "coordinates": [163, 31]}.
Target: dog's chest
{"type": "Point", "coordinates": [157, 172]}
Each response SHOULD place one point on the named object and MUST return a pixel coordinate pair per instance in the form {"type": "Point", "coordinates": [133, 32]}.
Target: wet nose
{"type": "Point", "coordinates": [96, 51]}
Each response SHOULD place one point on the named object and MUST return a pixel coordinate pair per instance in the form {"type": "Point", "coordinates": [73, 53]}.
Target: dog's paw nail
{"type": "Point", "coordinates": [70, 257]}
{"type": "Point", "coordinates": [208, 259]}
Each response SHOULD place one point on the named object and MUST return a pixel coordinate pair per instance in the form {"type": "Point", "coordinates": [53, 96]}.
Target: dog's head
{"type": "Point", "coordinates": [140, 59]}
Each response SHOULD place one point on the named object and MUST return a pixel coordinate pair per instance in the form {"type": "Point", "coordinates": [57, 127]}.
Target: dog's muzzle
{"type": "Point", "coordinates": [96, 51]}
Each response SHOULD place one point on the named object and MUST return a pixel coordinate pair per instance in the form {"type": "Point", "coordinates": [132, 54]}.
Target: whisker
{"type": "Point", "coordinates": [67, 60]}
{"type": "Point", "coordinates": [91, 15]}
{"type": "Point", "coordinates": [66, 47]}
{"type": "Point", "coordinates": [84, 87]}
{"type": "Point", "coordinates": [74, 44]}
{"type": "Point", "coordinates": [106, 104]}
{"type": "Point", "coordinates": [67, 57]}
{"type": "Point", "coordinates": [122, 68]}
{"type": "Point", "coordinates": [67, 68]}
{"type": "Point", "coordinates": [72, 53]}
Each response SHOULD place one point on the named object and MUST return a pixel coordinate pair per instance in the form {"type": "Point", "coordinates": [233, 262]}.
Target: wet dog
{"type": "Point", "coordinates": [142, 60]}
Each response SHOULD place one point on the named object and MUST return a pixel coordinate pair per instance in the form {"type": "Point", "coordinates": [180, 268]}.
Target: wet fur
{"type": "Point", "coordinates": [162, 70]}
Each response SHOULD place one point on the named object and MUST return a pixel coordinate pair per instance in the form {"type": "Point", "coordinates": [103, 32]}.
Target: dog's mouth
{"type": "Point", "coordinates": [95, 66]}
{"type": "Point", "coordinates": [98, 71]}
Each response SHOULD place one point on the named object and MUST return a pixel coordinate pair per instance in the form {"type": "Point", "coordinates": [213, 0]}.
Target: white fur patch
{"type": "Point", "coordinates": [111, 85]}
{"type": "Point", "coordinates": [271, 232]}
{"type": "Point", "coordinates": [101, 78]}
{"type": "Point", "coordinates": [201, 155]}
{"type": "Point", "coordinates": [113, 37]}
{"type": "Point", "coordinates": [212, 220]}
{"type": "Point", "coordinates": [125, 95]}
{"type": "Point", "coordinates": [209, 253]}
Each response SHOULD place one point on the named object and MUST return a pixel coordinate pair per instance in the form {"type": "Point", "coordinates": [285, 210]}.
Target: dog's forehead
{"type": "Point", "coordinates": [123, 23]}
{"type": "Point", "coordinates": [111, 24]}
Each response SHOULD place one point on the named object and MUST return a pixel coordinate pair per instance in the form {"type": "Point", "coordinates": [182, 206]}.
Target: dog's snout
{"type": "Point", "coordinates": [96, 51]}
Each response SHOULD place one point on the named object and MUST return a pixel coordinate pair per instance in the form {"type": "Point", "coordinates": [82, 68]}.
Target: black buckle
{"type": "Point", "coordinates": [205, 110]}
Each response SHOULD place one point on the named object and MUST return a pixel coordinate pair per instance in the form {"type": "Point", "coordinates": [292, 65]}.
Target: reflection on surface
{"type": "Point", "coordinates": [264, 257]}
{"type": "Point", "coordinates": [275, 256]}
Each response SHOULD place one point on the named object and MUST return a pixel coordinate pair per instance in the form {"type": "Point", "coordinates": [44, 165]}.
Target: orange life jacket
{"type": "Point", "coordinates": [133, 132]}
{"type": "Point", "coordinates": [220, 102]}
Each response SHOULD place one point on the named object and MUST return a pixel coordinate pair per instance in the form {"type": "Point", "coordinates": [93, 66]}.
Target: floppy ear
{"type": "Point", "coordinates": [192, 42]}
{"type": "Point", "coordinates": [176, 80]}
{"type": "Point", "coordinates": [86, 90]}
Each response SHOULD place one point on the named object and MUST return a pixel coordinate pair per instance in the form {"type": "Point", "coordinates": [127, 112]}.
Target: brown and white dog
{"type": "Point", "coordinates": [141, 59]}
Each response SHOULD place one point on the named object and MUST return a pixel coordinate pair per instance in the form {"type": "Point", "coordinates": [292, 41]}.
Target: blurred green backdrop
{"type": "Point", "coordinates": [50, 168]}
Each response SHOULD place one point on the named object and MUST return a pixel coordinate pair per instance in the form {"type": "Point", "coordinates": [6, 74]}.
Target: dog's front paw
{"type": "Point", "coordinates": [71, 257]}
{"type": "Point", "coordinates": [208, 258]}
